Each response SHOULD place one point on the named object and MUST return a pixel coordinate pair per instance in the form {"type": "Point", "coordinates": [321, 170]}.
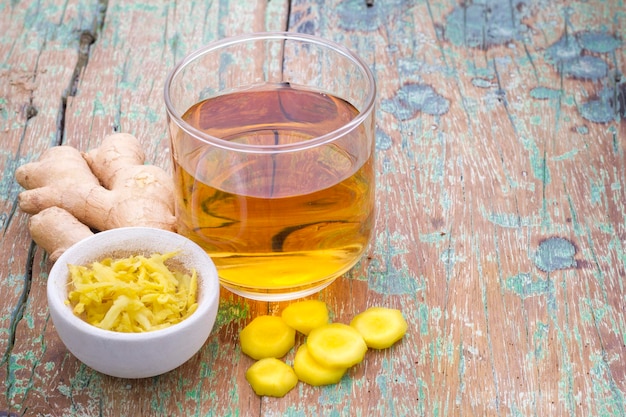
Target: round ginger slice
{"type": "Point", "coordinates": [305, 316]}
{"type": "Point", "coordinates": [271, 377]}
{"type": "Point", "coordinates": [380, 327]}
{"type": "Point", "coordinates": [309, 371]}
{"type": "Point", "coordinates": [336, 345]}
{"type": "Point", "coordinates": [267, 337]}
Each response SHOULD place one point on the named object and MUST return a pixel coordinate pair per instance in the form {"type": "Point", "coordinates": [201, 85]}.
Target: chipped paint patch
{"type": "Point", "coordinates": [414, 98]}
{"type": "Point", "coordinates": [354, 15]}
{"type": "Point", "coordinates": [481, 83]}
{"type": "Point", "coordinates": [565, 156]}
{"type": "Point", "coordinates": [383, 140]}
{"type": "Point", "coordinates": [565, 49]}
{"type": "Point", "coordinates": [525, 286]}
{"type": "Point", "coordinates": [229, 311]}
{"type": "Point", "coordinates": [555, 253]}
{"type": "Point", "coordinates": [537, 160]}
{"type": "Point", "coordinates": [394, 281]}
{"type": "Point", "coordinates": [540, 340]}
{"type": "Point", "coordinates": [545, 93]}
{"type": "Point", "coordinates": [586, 68]}
{"type": "Point", "coordinates": [431, 238]}
{"type": "Point", "coordinates": [599, 42]}
{"type": "Point", "coordinates": [609, 399]}
{"type": "Point", "coordinates": [583, 130]}
{"type": "Point", "coordinates": [569, 54]}
{"type": "Point", "coordinates": [601, 109]}
{"type": "Point", "coordinates": [509, 220]}
{"type": "Point", "coordinates": [486, 24]}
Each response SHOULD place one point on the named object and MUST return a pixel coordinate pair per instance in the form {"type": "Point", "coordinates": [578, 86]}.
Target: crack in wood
{"type": "Point", "coordinates": [87, 39]}
{"type": "Point", "coordinates": [16, 316]}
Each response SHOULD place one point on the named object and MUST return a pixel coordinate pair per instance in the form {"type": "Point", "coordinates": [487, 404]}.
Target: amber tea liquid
{"type": "Point", "coordinates": [284, 222]}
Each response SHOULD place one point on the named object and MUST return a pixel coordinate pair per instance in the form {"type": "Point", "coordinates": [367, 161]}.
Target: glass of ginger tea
{"type": "Point", "coordinates": [272, 139]}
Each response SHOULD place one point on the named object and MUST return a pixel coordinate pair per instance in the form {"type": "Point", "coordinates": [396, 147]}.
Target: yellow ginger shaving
{"type": "Point", "coordinates": [134, 294]}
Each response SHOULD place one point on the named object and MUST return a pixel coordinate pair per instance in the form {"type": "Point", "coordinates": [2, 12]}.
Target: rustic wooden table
{"type": "Point", "coordinates": [501, 222]}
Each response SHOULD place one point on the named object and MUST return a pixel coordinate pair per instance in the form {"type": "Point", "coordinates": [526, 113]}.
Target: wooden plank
{"type": "Point", "coordinates": [39, 51]}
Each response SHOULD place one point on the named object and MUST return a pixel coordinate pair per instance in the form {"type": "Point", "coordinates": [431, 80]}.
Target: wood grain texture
{"type": "Point", "coordinates": [501, 216]}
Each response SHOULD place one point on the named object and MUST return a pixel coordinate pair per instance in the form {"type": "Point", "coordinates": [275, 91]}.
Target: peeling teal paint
{"type": "Point", "coordinates": [481, 83]}
{"type": "Point", "coordinates": [229, 311]}
{"type": "Point", "coordinates": [98, 105]}
{"type": "Point", "coordinates": [395, 281]}
{"type": "Point", "coordinates": [127, 8]}
{"type": "Point", "coordinates": [176, 46]}
{"type": "Point", "coordinates": [545, 93]}
{"type": "Point", "coordinates": [566, 54]}
{"type": "Point", "coordinates": [335, 394]}
{"type": "Point", "coordinates": [383, 140]}
{"type": "Point", "coordinates": [540, 340]}
{"type": "Point", "coordinates": [564, 49]}
{"type": "Point", "coordinates": [413, 98]}
{"type": "Point", "coordinates": [486, 23]}
{"type": "Point", "coordinates": [567, 155]}
{"type": "Point", "coordinates": [4, 114]}
{"type": "Point", "coordinates": [578, 229]}
{"type": "Point", "coordinates": [586, 68]}
{"type": "Point", "coordinates": [142, 113]}
{"type": "Point", "coordinates": [600, 109]}
{"type": "Point", "coordinates": [608, 397]}
{"type": "Point", "coordinates": [538, 164]}
{"type": "Point", "coordinates": [422, 315]}
{"type": "Point", "coordinates": [555, 253]}
{"type": "Point", "coordinates": [84, 382]}
{"type": "Point", "coordinates": [617, 246]}
{"type": "Point", "coordinates": [461, 368]}
{"type": "Point", "coordinates": [433, 238]}
{"type": "Point", "coordinates": [392, 280]}
{"type": "Point", "coordinates": [383, 276]}
{"type": "Point", "coordinates": [448, 258]}
{"type": "Point", "coordinates": [354, 17]}
{"type": "Point", "coordinates": [411, 66]}
{"type": "Point", "coordinates": [509, 220]}
{"type": "Point", "coordinates": [525, 286]}
{"type": "Point", "coordinates": [596, 189]}
{"type": "Point", "coordinates": [16, 282]}
{"type": "Point", "coordinates": [599, 42]}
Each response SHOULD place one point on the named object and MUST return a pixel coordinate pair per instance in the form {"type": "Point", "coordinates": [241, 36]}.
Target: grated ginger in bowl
{"type": "Point", "coordinates": [133, 294]}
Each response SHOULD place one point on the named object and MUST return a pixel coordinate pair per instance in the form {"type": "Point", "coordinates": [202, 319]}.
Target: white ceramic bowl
{"type": "Point", "coordinates": [134, 355]}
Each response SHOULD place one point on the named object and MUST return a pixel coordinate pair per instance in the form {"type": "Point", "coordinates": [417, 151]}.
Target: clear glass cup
{"type": "Point", "coordinates": [272, 138]}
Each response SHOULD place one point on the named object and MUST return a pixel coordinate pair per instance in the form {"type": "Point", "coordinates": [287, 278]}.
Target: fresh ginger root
{"type": "Point", "coordinates": [105, 188]}
{"type": "Point", "coordinates": [55, 230]}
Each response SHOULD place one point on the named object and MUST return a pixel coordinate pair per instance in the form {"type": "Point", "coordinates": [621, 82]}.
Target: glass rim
{"type": "Point", "coordinates": [244, 38]}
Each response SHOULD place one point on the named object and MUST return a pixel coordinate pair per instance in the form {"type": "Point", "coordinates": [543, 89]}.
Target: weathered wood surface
{"type": "Point", "coordinates": [501, 225]}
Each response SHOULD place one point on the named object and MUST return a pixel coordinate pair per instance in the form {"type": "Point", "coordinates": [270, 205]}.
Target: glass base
{"type": "Point", "coordinates": [275, 295]}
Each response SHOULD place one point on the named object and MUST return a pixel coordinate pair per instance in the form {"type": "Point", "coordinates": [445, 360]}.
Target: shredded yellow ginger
{"type": "Point", "coordinates": [134, 294]}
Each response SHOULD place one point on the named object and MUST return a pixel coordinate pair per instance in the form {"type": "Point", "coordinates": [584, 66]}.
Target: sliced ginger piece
{"type": "Point", "coordinates": [271, 377]}
{"type": "Point", "coordinates": [309, 371]}
{"type": "Point", "coordinates": [267, 337]}
{"type": "Point", "coordinates": [336, 345]}
{"type": "Point", "coordinates": [305, 316]}
{"type": "Point", "coordinates": [380, 327]}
